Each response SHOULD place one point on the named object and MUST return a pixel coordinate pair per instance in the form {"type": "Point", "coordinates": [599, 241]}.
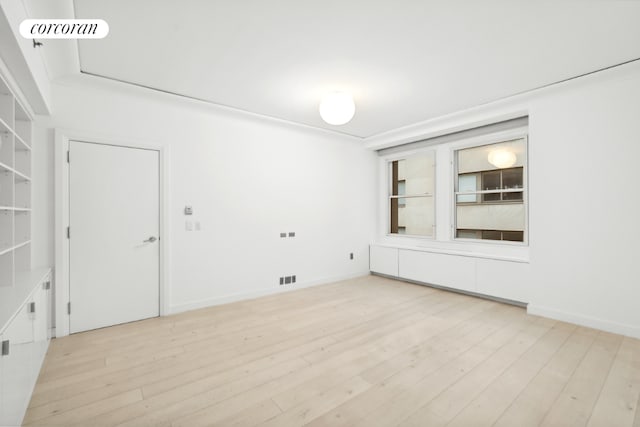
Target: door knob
{"type": "Point", "coordinates": [150, 240]}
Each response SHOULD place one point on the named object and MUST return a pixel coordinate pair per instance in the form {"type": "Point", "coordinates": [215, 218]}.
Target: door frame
{"type": "Point", "coordinates": [61, 208]}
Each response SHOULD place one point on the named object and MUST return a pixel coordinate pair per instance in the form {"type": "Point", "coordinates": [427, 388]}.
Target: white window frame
{"type": "Point", "coordinates": [479, 142]}
{"type": "Point", "coordinates": [444, 241]}
{"type": "Point", "coordinates": [389, 196]}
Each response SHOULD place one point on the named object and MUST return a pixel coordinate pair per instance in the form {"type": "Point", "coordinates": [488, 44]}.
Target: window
{"type": "Point", "coordinates": [513, 236]}
{"type": "Point", "coordinates": [411, 193]}
{"type": "Point", "coordinates": [489, 191]}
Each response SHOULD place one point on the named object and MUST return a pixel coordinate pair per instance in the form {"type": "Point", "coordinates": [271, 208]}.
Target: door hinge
{"type": "Point", "coordinates": [5, 348]}
{"type": "Point", "coordinates": [68, 232]}
{"type": "Point", "coordinates": [68, 156]}
{"type": "Point", "coordinates": [46, 285]}
{"type": "Point", "coordinates": [32, 307]}
{"type": "Point", "coordinates": [69, 307]}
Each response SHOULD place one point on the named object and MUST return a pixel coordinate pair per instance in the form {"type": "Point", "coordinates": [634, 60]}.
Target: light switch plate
{"type": "Point", "coordinates": [188, 225]}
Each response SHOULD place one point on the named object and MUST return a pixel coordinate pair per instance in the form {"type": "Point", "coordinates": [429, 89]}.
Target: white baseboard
{"type": "Point", "coordinates": [241, 296]}
{"type": "Point", "coordinates": [588, 321]}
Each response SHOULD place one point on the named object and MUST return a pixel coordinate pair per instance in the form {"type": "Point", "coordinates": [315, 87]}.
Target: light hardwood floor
{"type": "Point", "coordinates": [366, 352]}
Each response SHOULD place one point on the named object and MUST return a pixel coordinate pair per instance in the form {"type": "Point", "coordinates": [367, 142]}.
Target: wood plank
{"type": "Point", "coordinates": [444, 392]}
{"type": "Point", "coordinates": [253, 416]}
{"type": "Point", "coordinates": [449, 333]}
{"type": "Point", "coordinates": [238, 398]}
{"type": "Point", "coordinates": [368, 351]}
{"type": "Point", "coordinates": [440, 366]}
{"type": "Point", "coordinates": [486, 404]}
{"type": "Point", "coordinates": [617, 404]}
{"type": "Point", "coordinates": [302, 413]}
{"type": "Point", "coordinates": [574, 405]}
{"type": "Point", "coordinates": [532, 404]}
{"type": "Point", "coordinates": [79, 415]}
{"type": "Point", "coordinates": [65, 386]}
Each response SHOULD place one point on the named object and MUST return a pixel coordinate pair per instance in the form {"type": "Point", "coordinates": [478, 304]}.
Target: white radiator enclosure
{"type": "Point", "coordinates": [496, 278]}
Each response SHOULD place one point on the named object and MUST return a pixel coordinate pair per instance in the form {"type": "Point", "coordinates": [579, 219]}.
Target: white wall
{"type": "Point", "coordinates": [247, 178]}
{"type": "Point", "coordinates": [584, 149]}
{"type": "Point", "coordinates": [584, 145]}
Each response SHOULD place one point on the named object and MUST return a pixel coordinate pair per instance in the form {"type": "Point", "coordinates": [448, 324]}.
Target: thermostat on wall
{"type": "Point", "coordinates": [188, 210]}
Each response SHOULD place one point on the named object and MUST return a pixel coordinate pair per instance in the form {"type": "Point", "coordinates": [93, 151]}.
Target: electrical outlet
{"type": "Point", "coordinates": [351, 255]}
{"type": "Point", "coordinates": [283, 235]}
{"type": "Point", "coordinates": [282, 280]}
{"type": "Point", "coordinates": [293, 279]}
{"type": "Point", "coordinates": [292, 234]}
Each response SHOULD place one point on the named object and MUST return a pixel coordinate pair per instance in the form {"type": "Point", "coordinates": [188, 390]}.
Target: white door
{"type": "Point", "coordinates": [114, 217]}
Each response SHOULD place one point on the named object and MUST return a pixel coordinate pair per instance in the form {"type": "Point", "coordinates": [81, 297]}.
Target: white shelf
{"type": "Point", "coordinates": [25, 332]}
{"type": "Point", "coordinates": [19, 245]}
{"type": "Point", "coordinates": [14, 247]}
{"type": "Point", "coordinates": [15, 190]}
{"type": "Point", "coordinates": [14, 209]}
{"type": "Point", "coordinates": [5, 249]}
{"type": "Point", "coordinates": [21, 146]}
{"type": "Point", "coordinates": [20, 177]}
{"type": "Point", "coordinates": [4, 127]}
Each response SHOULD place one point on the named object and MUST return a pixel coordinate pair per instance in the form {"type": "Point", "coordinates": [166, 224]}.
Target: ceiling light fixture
{"type": "Point", "coordinates": [502, 158]}
{"type": "Point", "coordinates": [337, 108]}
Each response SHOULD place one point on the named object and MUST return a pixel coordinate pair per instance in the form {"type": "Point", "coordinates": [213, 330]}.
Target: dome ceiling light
{"type": "Point", "coordinates": [337, 108]}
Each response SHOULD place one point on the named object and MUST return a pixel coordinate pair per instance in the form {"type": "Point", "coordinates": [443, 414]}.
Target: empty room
{"type": "Point", "coordinates": [319, 213]}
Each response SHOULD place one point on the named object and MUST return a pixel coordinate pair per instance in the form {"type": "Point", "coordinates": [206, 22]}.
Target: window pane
{"type": "Point", "coordinates": [513, 236]}
{"type": "Point", "coordinates": [490, 216]}
{"type": "Point", "coordinates": [417, 173]}
{"type": "Point", "coordinates": [499, 215]}
{"type": "Point", "coordinates": [469, 234]}
{"type": "Point", "coordinates": [512, 196]}
{"type": "Point", "coordinates": [467, 183]}
{"type": "Point", "coordinates": [476, 159]}
{"type": "Point", "coordinates": [412, 176]}
{"type": "Point", "coordinates": [491, 235]}
{"type": "Point", "coordinates": [512, 178]}
{"type": "Point", "coordinates": [491, 181]}
{"type": "Point", "coordinates": [415, 218]}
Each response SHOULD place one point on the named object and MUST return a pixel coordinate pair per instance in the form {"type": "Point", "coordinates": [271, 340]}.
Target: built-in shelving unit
{"type": "Point", "coordinates": [25, 293]}
{"type": "Point", "coordinates": [15, 188]}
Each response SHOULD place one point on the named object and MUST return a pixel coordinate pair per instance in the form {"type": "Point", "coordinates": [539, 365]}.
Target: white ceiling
{"type": "Point", "coordinates": [404, 61]}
